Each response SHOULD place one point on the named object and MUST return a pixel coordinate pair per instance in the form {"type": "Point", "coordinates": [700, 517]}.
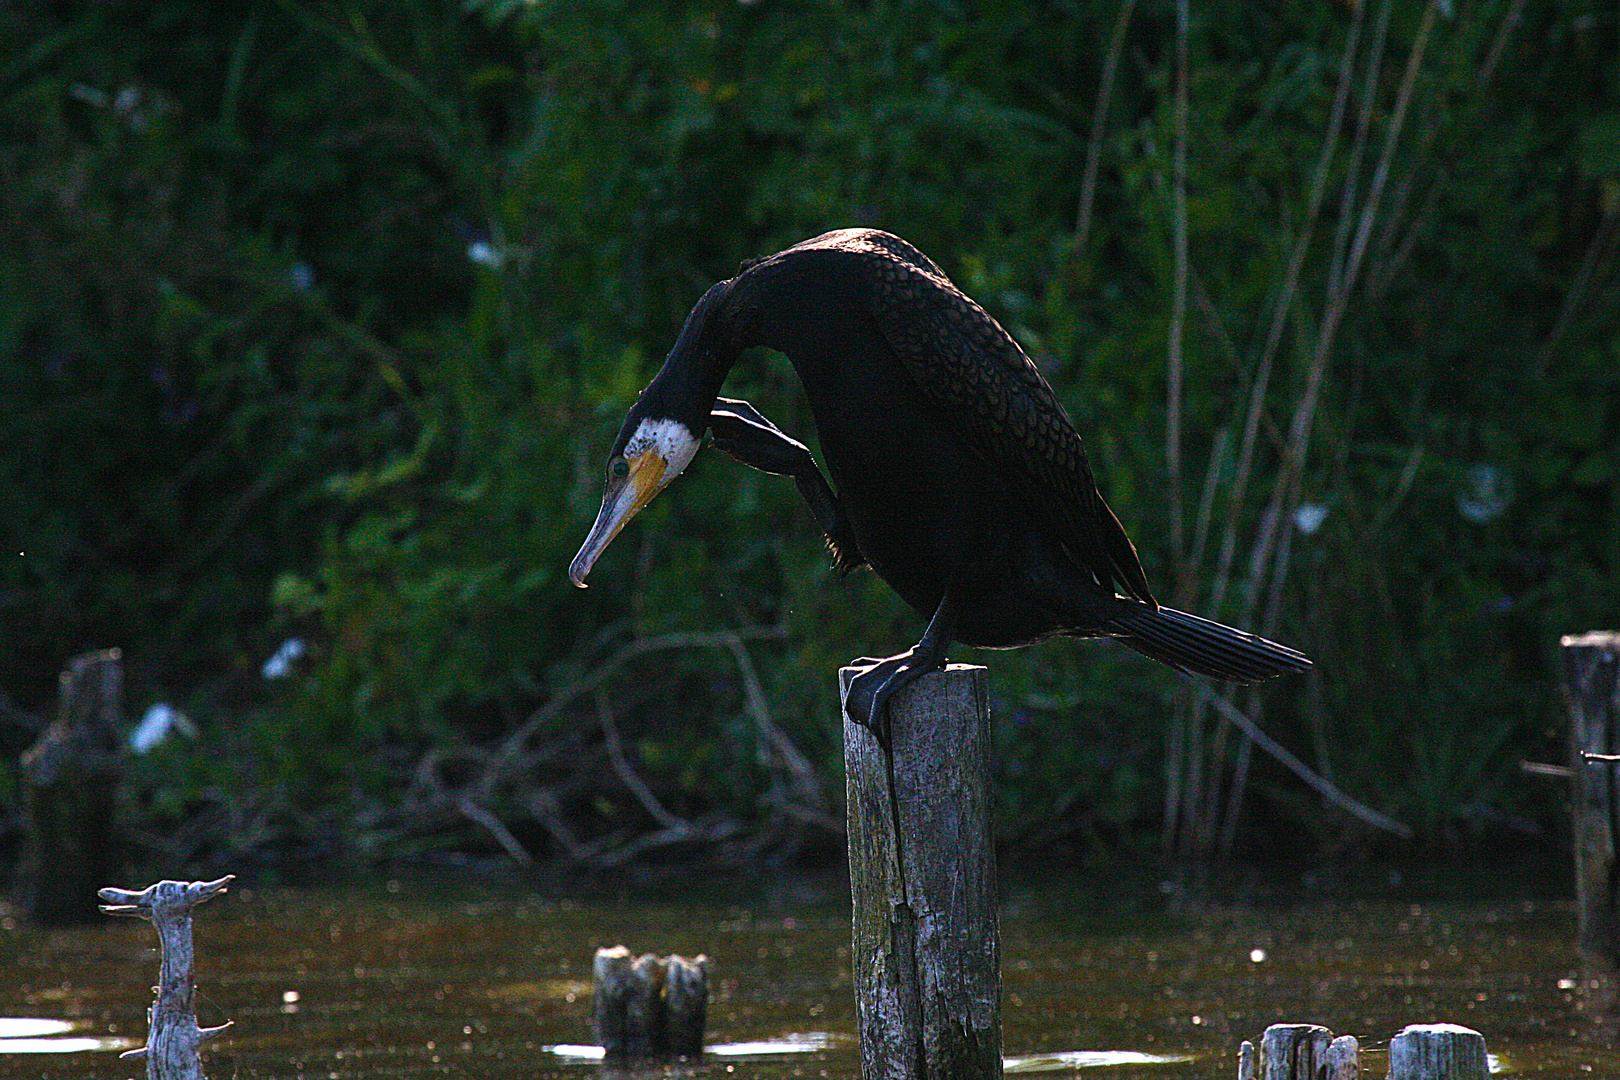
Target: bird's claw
{"type": "Point", "coordinates": [875, 681]}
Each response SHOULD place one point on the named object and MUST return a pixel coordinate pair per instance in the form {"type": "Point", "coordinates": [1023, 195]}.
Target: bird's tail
{"type": "Point", "coordinates": [1201, 647]}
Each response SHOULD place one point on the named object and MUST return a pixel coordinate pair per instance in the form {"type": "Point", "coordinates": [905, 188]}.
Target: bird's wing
{"type": "Point", "coordinates": [998, 403]}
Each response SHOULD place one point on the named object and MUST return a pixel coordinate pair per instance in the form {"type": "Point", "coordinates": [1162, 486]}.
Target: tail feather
{"type": "Point", "coordinates": [1201, 647]}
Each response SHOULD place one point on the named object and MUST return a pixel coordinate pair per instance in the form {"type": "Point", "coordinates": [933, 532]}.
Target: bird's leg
{"type": "Point", "coordinates": [742, 432]}
{"type": "Point", "coordinates": [867, 702]}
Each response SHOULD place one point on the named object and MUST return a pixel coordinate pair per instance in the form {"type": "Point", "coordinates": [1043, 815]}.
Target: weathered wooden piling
{"type": "Point", "coordinates": [1310, 1052]}
{"type": "Point", "coordinates": [648, 1007]}
{"type": "Point", "coordinates": [1438, 1052]}
{"type": "Point", "coordinates": [1343, 1059]}
{"type": "Point", "coordinates": [67, 779]}
{"type": "Point", "coordinates": [927, 955]}
{"type": "Point", "coordinates": [1590, 662]}
{"type": "Point", "coordinates": [686, 993]}
{"type": "Point", "coordinates": [1287, 1052]}
{"type": "Point", "coordinates": [173, 1037]}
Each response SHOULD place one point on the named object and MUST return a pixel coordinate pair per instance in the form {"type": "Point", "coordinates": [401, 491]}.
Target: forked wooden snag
{"type": "Point", "coordinates": [172, 1043]}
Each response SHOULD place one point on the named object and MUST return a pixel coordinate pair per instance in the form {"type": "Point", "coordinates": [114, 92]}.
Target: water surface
{"type": "Point", "coordinates": [458, 980]}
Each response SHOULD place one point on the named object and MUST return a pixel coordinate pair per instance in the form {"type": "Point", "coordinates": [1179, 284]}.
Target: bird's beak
{"type": "Point", "coordinates": [622, 499]}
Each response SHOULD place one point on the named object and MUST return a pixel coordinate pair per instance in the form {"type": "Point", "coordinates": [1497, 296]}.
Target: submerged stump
{"type": "Point", "coordinates": [927, 955]}
{"type": "Point", "coordinates": [686, 994]}
{"type": "Point", "coordinates": [68, 778]}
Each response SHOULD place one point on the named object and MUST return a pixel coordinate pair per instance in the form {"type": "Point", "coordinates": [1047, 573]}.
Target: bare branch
{"type": "Point", "coordinates": [1099, 119]}
{"type": "Point", "coordinates": [625, 773]}
{"type": "Point", "coordinates": [513, 743]}
{"type": "Point", "coordinates": [1178, 299]}
{"type": "Point", "coordinates": [1298, 767]}
{"type": "Point", "coordinates": [492, 824]}
{"type": "Point", "coordinates": [805, 782]}
{"type": "Point", "coordinates": [1600, 250]}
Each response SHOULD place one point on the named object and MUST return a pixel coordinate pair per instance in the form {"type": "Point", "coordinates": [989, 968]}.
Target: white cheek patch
{"type": "Point", "coordinates": [671, 440]}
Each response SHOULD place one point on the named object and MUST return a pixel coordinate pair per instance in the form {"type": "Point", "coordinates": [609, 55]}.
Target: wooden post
{"type": "Point", "coordinates": [1438, 1052]}
{"type": "Point", "coordinates": [922, 871]}
{"type": "Point", "coordinates": [1343, 1059]}
{"type": "Point", "coordinates": [1590, 662]}
{"type": "Point", "coordinates": [649, 1007]}
{"type": "Point", "coordinates": [1294, 1051]}
{"type": "Point", "coordinates": [686, 992]}
{"type": "Point", "coordinates": [173, 1038]}
{"type": "Point", "coordinates": [1300, 1052]}
{"type": "Point", "coordinates": [67, 778]}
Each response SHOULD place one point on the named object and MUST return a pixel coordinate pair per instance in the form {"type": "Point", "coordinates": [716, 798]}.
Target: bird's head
{"type": "Point", "coordinates": [649, 453]}
{"type": "Point", "coordinates": [664, 429]}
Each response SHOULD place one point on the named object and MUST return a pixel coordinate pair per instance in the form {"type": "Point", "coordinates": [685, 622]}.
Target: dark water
{"type": "Point", "coordinates": [1136, 981]}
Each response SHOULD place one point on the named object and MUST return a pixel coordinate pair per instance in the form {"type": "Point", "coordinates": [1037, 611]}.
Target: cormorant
{"type": "Point", "coordinates": [956, 473]}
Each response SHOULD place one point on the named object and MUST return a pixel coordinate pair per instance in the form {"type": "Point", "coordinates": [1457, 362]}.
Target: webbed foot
{"type": "Point", "coordinates": [867, 702]}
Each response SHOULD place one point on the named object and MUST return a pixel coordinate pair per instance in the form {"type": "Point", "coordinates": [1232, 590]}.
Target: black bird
{"type": "Point", "coordinates": [956, 473]}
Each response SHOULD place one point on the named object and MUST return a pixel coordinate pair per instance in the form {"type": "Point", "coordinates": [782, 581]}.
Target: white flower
{"type": "Point", "coordinates": [483, 253]}
{"type": "Point", "coordinates": [1490, 489]}
{"type": "Point", "coordinates": [280, 664]}
{"type": "Point", "coordinates": [155, 726]}
{"type": "Point", "coordinates": [1309, 517]}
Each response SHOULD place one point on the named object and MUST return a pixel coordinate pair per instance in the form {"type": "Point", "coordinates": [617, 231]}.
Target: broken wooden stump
{"type": "Point", "coordinates": [1289, 1052]}
{"type": "Point", "coordinates": [922, 871]}
{"type": "Point", "coordinates": [173, 1038]}
{"type": "Point", "coordinates": [1438, 1052]}
{"type": "Point", "coordinates": [68, 778]}
{"type": "Point", "coordinates": [686, 993]}
{"type": "Point", "coordinates": [1311, 1052]}
{"type": "Point", "coordinates": [649, 1007]}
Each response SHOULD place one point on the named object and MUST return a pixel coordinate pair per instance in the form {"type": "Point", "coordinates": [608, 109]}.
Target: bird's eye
{"type": "Point", "coordinates": [619, 468]}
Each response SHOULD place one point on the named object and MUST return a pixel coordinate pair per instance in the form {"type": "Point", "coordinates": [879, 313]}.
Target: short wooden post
{"type": "Point", "coordinates": [610, 977]}
{"type": "Point", "coordinates": [927, 955]}
{"type": "Point", "coordinates": [1590, 663]}
{"type": "Point", "coordinates": [1300, 1052]}
{"type": "Point", "coordinates": [67, 779]}
{"type": "Point", "coordinates": [1438, 1052]}
{"type": "Point", "coordinates": [648, 1007]}
{"type": "Point", "coordinates": [629, 1003]}
{"type": "Point", "coordinates": [1343, 1059]}
{"type": "Point", "coordinates": [173, 1038]}
{"type": "Point", "coordinates": [1294, 1051]}
{"type": "Point", "coordinates": [686, 991]}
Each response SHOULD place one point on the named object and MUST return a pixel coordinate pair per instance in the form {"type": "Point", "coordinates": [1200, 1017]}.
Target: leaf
{"type": "Point", "coordinates": [1600, 145]}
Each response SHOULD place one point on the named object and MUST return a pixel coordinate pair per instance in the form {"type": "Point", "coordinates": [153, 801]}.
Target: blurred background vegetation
{"type": "Point", "coordinates": [317, 319]}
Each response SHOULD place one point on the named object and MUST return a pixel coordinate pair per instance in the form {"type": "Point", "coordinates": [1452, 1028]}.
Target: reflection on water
{"type": "Point", "coordinates": [1086, 1059]}
{"type": "Point", "coordinates": [35, 1035]}
{"type": "Point", "coordinates": [380, 982]}
{"type": "Point", "coordinates": [805, 1043]}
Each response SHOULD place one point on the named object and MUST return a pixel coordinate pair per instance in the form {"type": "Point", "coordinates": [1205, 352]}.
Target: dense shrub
{"type": "Point", "coordinates": [318, 318]}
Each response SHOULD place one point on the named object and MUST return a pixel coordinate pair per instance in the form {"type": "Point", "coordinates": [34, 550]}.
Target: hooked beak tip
{"type": "Point", "coordinates": [577, 572]}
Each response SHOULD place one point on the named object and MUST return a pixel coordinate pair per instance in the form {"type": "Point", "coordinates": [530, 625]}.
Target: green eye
{"type": "Point", "coordinates": [619, 468]}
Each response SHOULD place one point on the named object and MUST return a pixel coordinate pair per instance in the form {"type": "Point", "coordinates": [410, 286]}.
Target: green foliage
{"type": "Point", "coordinates": [319, 323]}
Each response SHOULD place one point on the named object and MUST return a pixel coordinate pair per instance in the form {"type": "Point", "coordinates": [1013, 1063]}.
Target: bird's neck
{"type": "Point", "coordinates": [685, 387]}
